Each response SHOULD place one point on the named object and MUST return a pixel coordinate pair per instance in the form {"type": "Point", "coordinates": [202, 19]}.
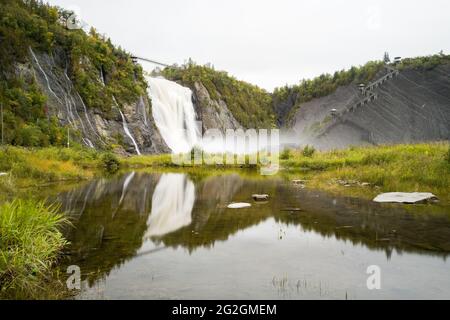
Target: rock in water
{"type": "Point", "coordinates": [405, 197]}
{"type": "Point", "coordinates": [260, 197]}
{"type": "Point", "coordinates": [239, 205]}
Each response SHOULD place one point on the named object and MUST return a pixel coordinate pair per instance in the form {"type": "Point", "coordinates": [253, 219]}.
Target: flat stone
{"type": "Point", "coordinates": [260, 197]}
{"type": "Point", "coordinates": [405, 197]}
{"type": "Point", "coordinates": [3, 174]}
{"type": "Point", "coordinates": [239, 205]}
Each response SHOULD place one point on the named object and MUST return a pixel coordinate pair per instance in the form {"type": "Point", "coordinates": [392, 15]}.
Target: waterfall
{"type": "Point", "coordinates": [172, 204]}
{"type": "Point", "coordinates": [174, 114]}
{"type": "Point", "coordinates": [144, 111]}
{"type": "Point", "coordinates": [45, 75]}
{"type": "Point", "coordinates": [128, 133]}
{"type": "Point", "coordinates": [63, 85]}
{"type": "Point", "coordinates": [88, 142]}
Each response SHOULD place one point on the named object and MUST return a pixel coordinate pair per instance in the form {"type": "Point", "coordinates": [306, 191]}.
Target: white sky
{"type": "Point", "coordinates": [271, 43]}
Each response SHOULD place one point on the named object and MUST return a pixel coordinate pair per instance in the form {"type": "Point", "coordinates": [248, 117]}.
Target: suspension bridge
{"type": "Point", "coordinates": [136, 58]}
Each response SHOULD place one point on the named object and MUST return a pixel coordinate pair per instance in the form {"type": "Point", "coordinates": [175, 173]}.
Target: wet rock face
{"type": "Point", "coordinates": [413, 106]}
{"type": "Point", "coordinates": [213, 114]}
{"type": "Point", "coordinates": [141, 124]}
{"type": "Point", "coordinates": [96, 128]}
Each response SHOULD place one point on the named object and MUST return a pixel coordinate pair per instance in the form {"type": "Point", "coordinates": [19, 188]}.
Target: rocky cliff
{"type": "Point", "coordinates": [213, 114]}
{"type": "Point", "coordinates": [93, 127]}
{"type": "Point", "coordinates": [410, 105]}
{"type": "Point", "coordinates": [61, 84]}
{"type": "Point", "coordinates": [222, 101]}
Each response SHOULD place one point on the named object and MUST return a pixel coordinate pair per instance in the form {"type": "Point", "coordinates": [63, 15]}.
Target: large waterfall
{"type": "Point", "coordinates": [174, 114]}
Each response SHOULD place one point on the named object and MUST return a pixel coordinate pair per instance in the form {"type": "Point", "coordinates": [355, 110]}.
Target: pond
{"type": "Point", "coordinates": [171, 236]}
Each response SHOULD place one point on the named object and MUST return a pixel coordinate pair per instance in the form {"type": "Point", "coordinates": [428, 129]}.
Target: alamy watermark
{"type": "Point", "coordinates": [374, 280]}
{"type": "Point", "coordinates": [259, 148]}
{"type": "Point", "coordinates": [72, 18]}
{"type": "Point", "coordinates": [73, 282]}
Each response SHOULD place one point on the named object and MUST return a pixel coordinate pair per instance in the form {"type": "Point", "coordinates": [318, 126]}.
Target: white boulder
{"type": "Point", "coordinates": [239, 205]}
{"type": "Point", "coordinates": [405, 197]}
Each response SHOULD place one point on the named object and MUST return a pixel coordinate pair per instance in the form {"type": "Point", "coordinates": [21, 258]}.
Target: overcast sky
{"type": "Point", "coordinates": [271, 43]}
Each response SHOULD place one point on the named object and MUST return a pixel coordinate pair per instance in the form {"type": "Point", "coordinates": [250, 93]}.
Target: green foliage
{"type": "Point", "coordinates": [30, 243]}
{"type": "Point", "coordinates": [47, 164]}
{"type": "Point", "coordinates": [424, 63]}
{"type": "Point", "coordinates": [94, 59]}
{"type": "Point", "coordinates": [33, 24]}
{"type": "Point", "coordinates": [110, 162]}
{"type": "Point", "coordinates": [308, 151]}
{"type": "Point", "coordinates": [249, 104]}
{"type": "Point", "coordinates": [286, 154]}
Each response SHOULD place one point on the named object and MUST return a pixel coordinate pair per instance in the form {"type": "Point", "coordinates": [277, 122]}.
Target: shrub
{"type": "Point", "coordinates": [110, 162]}
{"type": "Point", "coordinates": [308, 151]}
{"type": "Point", "coordinates": [286, 154]}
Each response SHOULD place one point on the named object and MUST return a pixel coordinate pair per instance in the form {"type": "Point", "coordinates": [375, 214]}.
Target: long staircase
{"type": "Point", "coordinates": [368, 91]}
{"type": "Point", "coordinates": [369, 95]}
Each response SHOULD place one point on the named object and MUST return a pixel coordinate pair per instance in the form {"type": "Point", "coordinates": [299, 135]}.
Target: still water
{"type": "Point", "coordinates": [170, 236]}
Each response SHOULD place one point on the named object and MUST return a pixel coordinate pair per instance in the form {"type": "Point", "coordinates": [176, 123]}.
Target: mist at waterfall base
{"type": "Point", "coordinates": [176, 120]}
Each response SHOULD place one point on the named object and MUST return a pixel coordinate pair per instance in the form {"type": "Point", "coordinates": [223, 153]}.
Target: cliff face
{"type": "Point", "coordinates": [59, 84]}
{"type": "Point", "coordinates": [411, 105]}
{"type": "Point", "coordinates": [221, 100]}
{"type": "Point", "coordinates": [92, 126]}
{"type": "Point", "coordinates": [213, 114]}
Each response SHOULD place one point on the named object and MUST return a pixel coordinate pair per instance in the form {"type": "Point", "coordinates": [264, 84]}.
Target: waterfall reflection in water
{"type": "Point", "coordinates": [172, 203]}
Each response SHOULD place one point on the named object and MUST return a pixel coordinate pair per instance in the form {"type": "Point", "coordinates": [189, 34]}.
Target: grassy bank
{"type": "Point", "coordinates": [36, 167]}
{"type": "Point", "coordinates": [165, 160]}
{"type": "Point", "coordinates": [408, 168]}
{"type": "Point", "coordinates": [417, 167]}
{"type": "Point", "coordinates": [30, 240]}
{"type": "Point", "coordinates": [30, 245]}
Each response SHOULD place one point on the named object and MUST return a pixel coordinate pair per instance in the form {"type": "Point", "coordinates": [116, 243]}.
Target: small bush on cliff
{"type": "Point", "coordinates": [286, 154]}
{"type": "Point", "coordinates": [308, 151]}
{"type": "Point", "coordinates": [110, 162]}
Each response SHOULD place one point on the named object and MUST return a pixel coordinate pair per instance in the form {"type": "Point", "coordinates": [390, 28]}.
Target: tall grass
{"type": "Point", "coordinates": [30, 243]}
{"type": "Point", "coordinates": [27, 167]}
